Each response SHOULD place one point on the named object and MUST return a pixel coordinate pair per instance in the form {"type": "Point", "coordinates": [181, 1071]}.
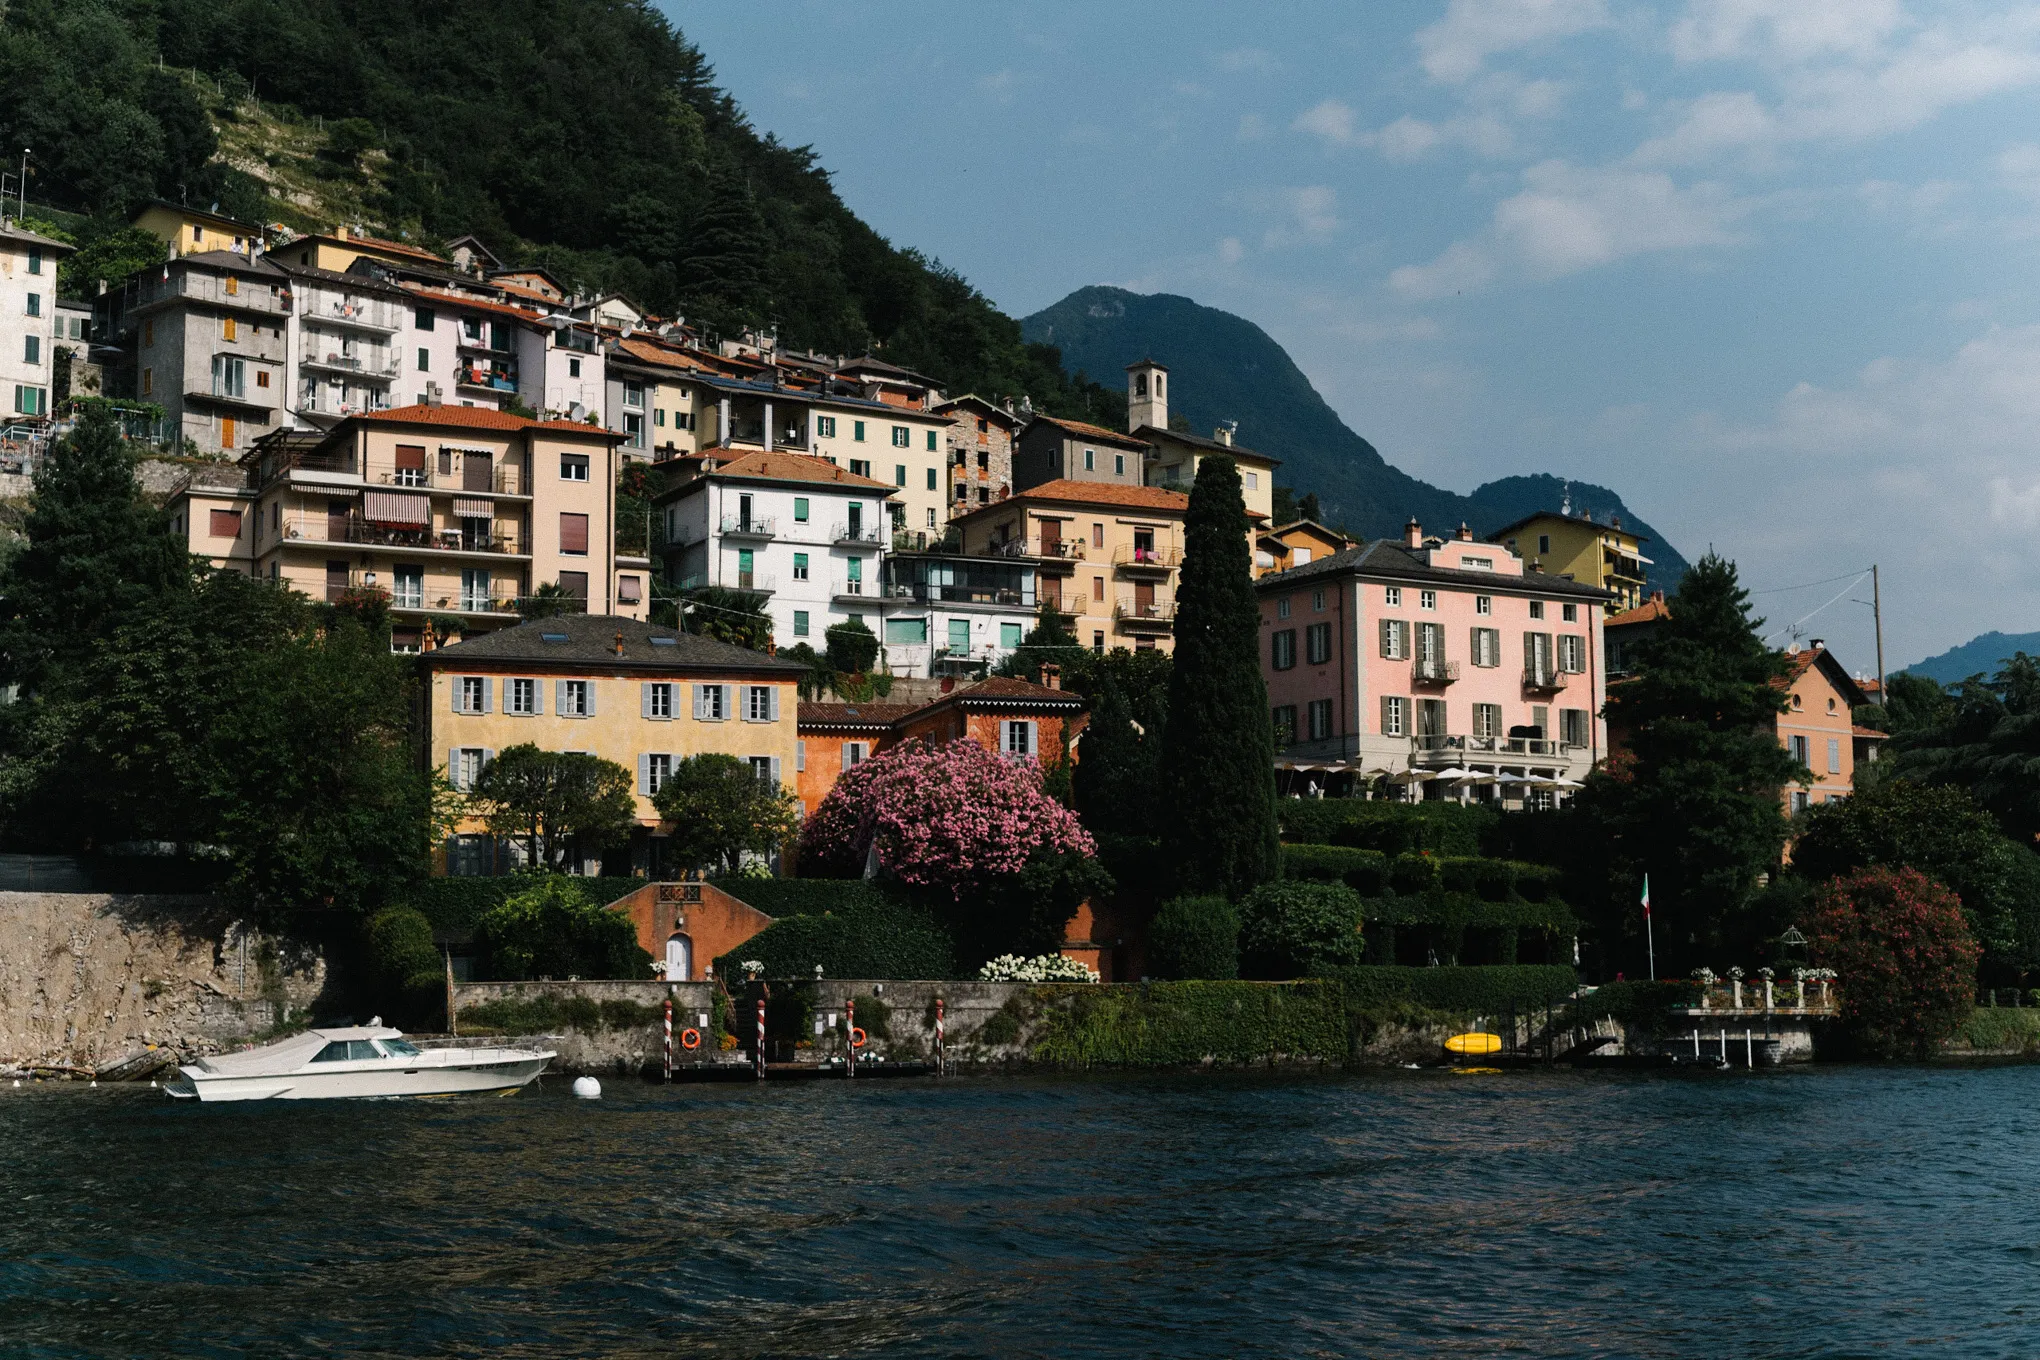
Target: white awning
{"type": "Point", "coordinates": [472, 507]}
{"type": "Point", "coordinates": [396, 507]}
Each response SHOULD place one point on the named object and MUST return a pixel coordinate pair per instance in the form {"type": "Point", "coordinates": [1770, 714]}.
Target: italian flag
{"type": "Point", "coordinates": [1646, 897]}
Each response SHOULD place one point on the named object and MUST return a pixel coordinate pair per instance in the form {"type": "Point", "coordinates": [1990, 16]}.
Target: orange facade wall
{"type": "Point", "coordinates": [711, 921]}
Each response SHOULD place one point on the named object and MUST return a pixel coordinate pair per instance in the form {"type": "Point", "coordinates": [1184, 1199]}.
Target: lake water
{"type": "Point", "coordinates": [1805, 1213]}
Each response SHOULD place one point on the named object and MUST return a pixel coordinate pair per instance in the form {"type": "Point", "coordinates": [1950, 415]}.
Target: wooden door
{"type": "Point", "coordinates": [1051, 538]}
{"type": "Point", "coordinates": [337, 515]}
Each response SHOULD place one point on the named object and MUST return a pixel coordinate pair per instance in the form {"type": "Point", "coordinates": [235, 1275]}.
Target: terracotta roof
{"type": "Point", "coordinates": [991, 410]}
{"type": "Point", "coordinates": [521, 291]}
{"type": "Point", "coordinates": [1065, 491]}
{"type": "Point", "coordinates": [377, 243]}
{"type": "Point", "coordinates": [1384, 558]}
{"type": "Point", "coordinates": [798, 467]}
{"type": "Point", "coordinates": [1863, 731]}
{"type": "Point", "coordinates": [589, 641]}
{"type": "Point", "coordinates": [480, 304]}
{"type": "Point", "coordinates": [993, 691]}
{"type": "Point", "coordinates": [665, 356]}
{"type": "Point", "coordinates": [999, 687]}
{"type": "Point", "coordinates": [1799, 663]}
{"type": "Point", "coordinates": [1650, 611]}
{"type": "Point", "coordinates": [1097, 432]}
{"type": "Point", "coordinates": [479, 418]}
{"type": "Point", "coordinates": [853, 715]}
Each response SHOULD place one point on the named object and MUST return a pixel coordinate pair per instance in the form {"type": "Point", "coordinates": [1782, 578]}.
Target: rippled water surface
{"type": "Point", "coordinates": [1812, 1213]}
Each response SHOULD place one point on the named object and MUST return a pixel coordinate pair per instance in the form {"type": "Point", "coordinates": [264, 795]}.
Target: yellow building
{"type": "Point", "coordinates": [1173, 455]}
{"type": "Point", "coordinates": [192, 231]}
{"type": "Point", "coordinates": [341, 247]}
{"type": "Point", "coordinates": [643, 696]}
{"type": "Point", "coordinates": [1579, 549]}
{"type": "Point", "coordinates": [1107, 553]}
{"type": "Point", "coordinates": [451, 510]}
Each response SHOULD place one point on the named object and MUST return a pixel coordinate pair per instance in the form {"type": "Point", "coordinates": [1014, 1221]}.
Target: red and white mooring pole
{"type": "Point", "coordinates": [669, 1038]}
{"type": "Point", "coordinates": [850, 1036]}
{"type": "Point", "coordinates": [761, 1038]}
{"type": "Point", "coordinates": [938, 1036]}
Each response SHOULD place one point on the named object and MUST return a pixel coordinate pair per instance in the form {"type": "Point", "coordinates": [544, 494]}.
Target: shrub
{"type": "Point", "coordinates": [1906, 959]}
{"type": "Point", "coordinates": [778, 897]}
{"type": "Point", "coordinates": [1412, 874]}
{"type": "Point", "coordinates": [1040, 968]}
{"type": "Point", "coordinates": [1465, 991]}
{"type": "Point", "coordinates": [455, 905]}
{"type": "Point", "coordinates": [1195, 937]}
{"type": "Point", "coordinates": [1364, 871]}
{"type": "Point", "coordinates": [1290, 929]}
{"type": "Point", "coordinates": [406, 967]}
{"type": "Point", "coordinates": [872, 940]}
{"type": "Point", "coordinates": [1649, 1006]}
{"type": "Point", "coordinates": [551, 930]}
{"type": "Point", "coordinates": [1176, 1023]}
{"type": "Point", "coordinates": [1393, 828]}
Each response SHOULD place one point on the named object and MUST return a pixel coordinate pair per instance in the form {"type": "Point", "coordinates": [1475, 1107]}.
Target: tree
{"type": "Point", "coordinates": [349, 139]}
{"type": "Point", "coordinates": [556, 801]}
{"type": "Point", "coordinates": [724, 272]}
{"type": "Point", "coordinates": [852, 647]}
{"type": "Point", "coordinates": [1048, 642]}
{"type": "Point", "coordinates": [1694, 802]}
{"type": "Point", "coordinates": [719, 810]}
{"type": "Point", "coordinates": [1294, 929]}
{"type": "Point", "coordinates": [737, 617]}
{"type": "Point", "coordinates": [1912, 703]}
{"type": "Point", "coordinates": [1986, 740]}
{"type": "Point", "coordinates": [551, 930]}
{"type": "Point", "coordinates": [1905, 959]}
{"type": "Point", "coordinates": [1195, 937]}
{"type": "Point", "coordinates": [1218, 756]}
{"type": "Point", "coordinates": [1116, 779]}
{"type": "Point", "coordinates": [549, 601]}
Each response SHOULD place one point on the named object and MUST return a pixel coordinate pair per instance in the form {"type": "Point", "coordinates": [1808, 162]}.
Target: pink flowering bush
{"type": "Point", "coordinates": [953, 818]}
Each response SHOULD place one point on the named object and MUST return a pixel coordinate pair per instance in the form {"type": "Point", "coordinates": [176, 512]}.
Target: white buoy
{"type": "Point", "coordinates": [587, 1088]}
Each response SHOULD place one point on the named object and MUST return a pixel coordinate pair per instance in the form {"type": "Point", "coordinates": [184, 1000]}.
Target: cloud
{"type": "Point", "coordinates": [1454, 49]}
{"type": "Point", "coordinates": [1407, 138]}
{"type": "Point", "coordinates": [2019, 170]}
{"type": "Point", "coordinates": [1230, 251]}
{"type": "Point", "coordinates": [1332, 120]}
{"type": "Point", "coordinates": [1713, 123]}
{"type": "Point", "coordinates": [999, 85]}
{"type": "Point", "coordinates": [1569, 218]}
{"type": "Point", "coordinates": [1783, 30]}
{"type": "Point", "coordinates": [1312, 215]}
{"type": "Point", "coordinates": [1249, 60]}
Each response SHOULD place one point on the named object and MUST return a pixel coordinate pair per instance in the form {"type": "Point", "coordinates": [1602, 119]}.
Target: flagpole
{"type": "Point", "coordinates": [1649, 932]}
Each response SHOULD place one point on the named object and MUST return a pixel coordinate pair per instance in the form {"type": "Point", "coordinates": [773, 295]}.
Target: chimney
{"type": "Point", "coordinates": [1614, 521]}
{"type": "Point", "coordinates": [340, 232]}
{"type": "Point", "coordinates": [1465, 534]}
{"type": "Point", "coordinates": [1224, 433]}
{"type": "Point", "coordinates": [619, 644]}
{"type": "Point", "coordinates": [1413, 534]}
{"type": "Point", "coordinates": [1051, 675]}
{"type": "Point", "coordinates": [1819, 643]}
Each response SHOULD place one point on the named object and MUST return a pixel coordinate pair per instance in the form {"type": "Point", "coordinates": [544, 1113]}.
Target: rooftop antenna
{"type": "Point", "coordinates": [1565, 502]}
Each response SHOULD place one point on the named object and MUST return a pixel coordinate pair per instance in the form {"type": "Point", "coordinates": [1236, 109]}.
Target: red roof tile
{"type": "Point", "coordinates": [797, 467]}
{"type": "Point", "coordinates": [1065, 491]}
{"type": "Point", "coordinates": [478, 418]}
{"type": "Point", "coordinates": [1098, 432]}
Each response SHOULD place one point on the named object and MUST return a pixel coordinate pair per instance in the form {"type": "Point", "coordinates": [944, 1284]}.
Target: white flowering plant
{"type": "Point", "coordinates": [1040, 968]}
{"type": "Point", "coordinates": [1704, 976]}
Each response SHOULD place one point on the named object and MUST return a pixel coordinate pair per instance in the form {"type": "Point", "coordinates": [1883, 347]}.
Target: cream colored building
{"type": "Point", "coordinates": [1173, 455]}
{"type": "Point", "coordinates": [643, 696]}
{"type": "Point", "coordinates": [28, 302]}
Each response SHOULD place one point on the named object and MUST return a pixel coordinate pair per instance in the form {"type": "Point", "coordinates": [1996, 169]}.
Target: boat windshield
{"type": "Point", "coordinates": [346, 1050]}
{"type": "Point", "coordinates": [399, 1048]}
{"type": "Point", "coordinates": [333, 1052]}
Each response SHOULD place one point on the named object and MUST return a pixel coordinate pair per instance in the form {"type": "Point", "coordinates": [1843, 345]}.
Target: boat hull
{"type": "Point", "coordinates": [481, 1074]}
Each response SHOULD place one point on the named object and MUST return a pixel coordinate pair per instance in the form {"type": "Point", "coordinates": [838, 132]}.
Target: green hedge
{"type": "Point", "coordinates": [1466, 991]}
{"type": "Point", "coordinates": [873, 940]}
{"type": "Point", "coordinates": [454, 905]}
{"type": "Point", "coordinates": [1392, 828]}
{"type": "Point", "coordinates": [779, 897]}
{"type": "Point", "coordinates": [1648, 1005]}
{"type": "Point", "coordinates": [1364, 871]}
{"type": "Point", "coordinates": [542, 1014]}
{"type": "Point", "coordinates": [1173, 1023]}
{"type": "Point", "coordinates": [1442, 908]}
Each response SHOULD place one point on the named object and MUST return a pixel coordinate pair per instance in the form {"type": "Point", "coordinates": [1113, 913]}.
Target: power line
{"type": "Point", "coordinates": [1854, 581]}
{"type": "Point", "coordinates": [1808, 585]}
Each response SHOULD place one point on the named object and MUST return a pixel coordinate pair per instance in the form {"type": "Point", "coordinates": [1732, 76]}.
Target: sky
{"type": "Point", "coordinates": [1765, 267]}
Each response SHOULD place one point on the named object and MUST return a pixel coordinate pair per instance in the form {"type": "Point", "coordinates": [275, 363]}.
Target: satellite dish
{"type": "Point", "coordinates": [577, 412]}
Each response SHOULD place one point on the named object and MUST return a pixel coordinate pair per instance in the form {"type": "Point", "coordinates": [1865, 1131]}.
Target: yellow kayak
{"type": "Point", "coordinates": [1474, 1043]}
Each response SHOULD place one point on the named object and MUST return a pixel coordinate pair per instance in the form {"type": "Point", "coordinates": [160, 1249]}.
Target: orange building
{"type": "Point", "coordinates": [687, 926]}
{"type": "Point", "coordinates": [1819, 728]}
{"type": "Point", "coordinates": [1296, 544]}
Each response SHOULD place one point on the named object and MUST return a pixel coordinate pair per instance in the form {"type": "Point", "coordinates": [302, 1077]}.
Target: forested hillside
{"type": "Point", "coordinates": [584, 134]}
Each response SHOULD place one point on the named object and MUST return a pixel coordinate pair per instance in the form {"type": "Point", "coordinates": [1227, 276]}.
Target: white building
{"type": "Point", "coordinates": [946, 614]}
{"type": "Point", "coordinates": [28, 308]}
{"type": "Point", "coordinates": [347, 345]}
{"type": "Point", "coordinates": [805, 533]}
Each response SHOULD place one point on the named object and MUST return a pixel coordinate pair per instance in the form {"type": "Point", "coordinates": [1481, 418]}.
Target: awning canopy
{"type": "Point", "coordinates": [472, 507]}
{"type": "Point", "coordinates": [396, 507]}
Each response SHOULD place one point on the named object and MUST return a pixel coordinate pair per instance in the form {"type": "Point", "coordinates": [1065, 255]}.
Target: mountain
{"type": "Point", "coordinates": [1224, 367]}
{"type": "Point", "coordinates": [1980, 655]}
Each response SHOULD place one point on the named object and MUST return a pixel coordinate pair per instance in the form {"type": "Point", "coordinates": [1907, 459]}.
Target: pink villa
{"type": "Point", "coordinates": [1435, 658]}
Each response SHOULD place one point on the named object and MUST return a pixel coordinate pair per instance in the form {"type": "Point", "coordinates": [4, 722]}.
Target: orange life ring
{"type": "Point", "coordinates": [690, 1038]}
{"type": "Point", "coordinates": [856, 1037]}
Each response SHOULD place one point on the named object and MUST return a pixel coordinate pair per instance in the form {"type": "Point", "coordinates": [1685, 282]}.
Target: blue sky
{"type": "Point", "coordinates": [1767, 267]}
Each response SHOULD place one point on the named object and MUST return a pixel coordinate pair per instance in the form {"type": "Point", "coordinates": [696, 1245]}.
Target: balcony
{"type": "Point", "coordinates": [763, 583]}
{"type": "Point", "coordinates": [498, 377]}
{"type": "Point", "coordinates": [1442, 745]}
{"type": "Point", "coordinates": [1055, 554]}
{"type": "Point", "coordinates": [759, 527]}
{"type": "Point", "coordinates": [856, 536]}
{"type": "Point", "coordinates": [1433, 671]}
{"type": "Point", "coordinates": [855, 592]}
{"type": "Point", "coordinates": [353, 366]}
{"type": "Point", "coordinates": [247, 296]}
{"type": "Point", "coordinates": [1136, 560]}
{"type": "Point", "coordinates": [236, 397]}
{"type": "Point", "coordinates": [504, 481]}
{"type": "Point", "coordinates": [1145, 616]}
{"type": "Point", "coordinates": [315, 531]}
{"type": "Point", "coordinates": [376, 317]}
{"type": "Point", "coordinates": [1544, 679]}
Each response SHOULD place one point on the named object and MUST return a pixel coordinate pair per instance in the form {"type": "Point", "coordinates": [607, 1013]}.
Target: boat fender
{"type": "Point", "coordinates": [856, 1037]}
{"type": "Point", "coordinates": [587, 1088]}
{"type": "Point", "coordinates": [690, 1038]}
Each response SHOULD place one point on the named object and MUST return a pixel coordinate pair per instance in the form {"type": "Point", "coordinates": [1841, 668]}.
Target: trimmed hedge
{"type": "Point", "coordinates": [1364, 871]}
{"type": "Point", "coordinates": [1392, 828]}
{"type": "Point", "coordinates": [1172, 1023]}
{"type": "Point", "coordinates": [874, 940]}
{"type": "Point", "coordinates": [542, 1014]}
{"type": "Point", "coordinates": [1457, 910]}
{"type": "Point", "coordinates": [781, 897]}
{"type": "Point", "coordinates": [1494, 990]}
{"type": "Point", "coordinates": [454, 905]}
{"type": "Point", "coordinates": [1195, 937]}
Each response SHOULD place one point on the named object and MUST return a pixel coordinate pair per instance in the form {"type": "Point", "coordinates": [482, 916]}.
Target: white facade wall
{"type": "Point", "coordinates": [346, 351]}
{"type": "Point", "coordinates": [553, 378]}
{"type": "Point", "coordinates": [28, 306]}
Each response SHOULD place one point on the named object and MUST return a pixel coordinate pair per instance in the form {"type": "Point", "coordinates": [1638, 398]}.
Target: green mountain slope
{"type": "Point", "coordinates": [1227, 368]}
{"type": "Point", "coordinates": [1985, 656]}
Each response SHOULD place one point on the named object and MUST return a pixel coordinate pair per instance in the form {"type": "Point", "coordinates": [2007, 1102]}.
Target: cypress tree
{"type": "Point", "coordinates": [1217, 786]}
{"type": "Point", "coordinates": [1115, 777]}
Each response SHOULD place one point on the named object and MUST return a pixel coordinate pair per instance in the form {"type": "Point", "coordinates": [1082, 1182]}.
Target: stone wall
{"type": "Point", "coordinates": [90, 980]}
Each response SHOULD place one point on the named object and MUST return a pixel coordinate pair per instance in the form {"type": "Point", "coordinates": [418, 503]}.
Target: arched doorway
{"type": "Point", "coordinates": [679, 958]}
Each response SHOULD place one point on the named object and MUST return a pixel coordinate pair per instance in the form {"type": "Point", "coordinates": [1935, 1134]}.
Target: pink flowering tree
{"type": "Point", "coordinates": [973, 832]}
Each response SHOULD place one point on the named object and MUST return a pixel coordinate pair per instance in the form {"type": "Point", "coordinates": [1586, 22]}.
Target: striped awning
{"type": "Point", "coordinates": [396, 507]}
{"type": "Point", "coordinates": [472, 507]}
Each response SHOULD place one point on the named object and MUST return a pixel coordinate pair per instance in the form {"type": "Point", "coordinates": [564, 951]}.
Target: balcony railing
{"type": "Point", "coordinates": [857, 535]}
{"type": "Point", "coordinates": [354, 365]}
{"type": "Point", "coordinates": [323, 309]}
{"type": "Point", "coordinates": [1545, 679]}
{"type": "Point", "coordinates": [922, 540]}
{"type": "Point", "coordinates": [1135, 557]}
{"type": "Point", "coordinates": [503, 481]}
{"type": "Point", "coordinates": [855, 590]}
{"type": "Point", "coordinates": [750, 526]}
{"type": "Point", "coordinates": [1440, 743]}
{"type": "Point", "coordinates": [1433, 671]}
{"type": "Point", "coordinates": [1046, 549]}
{"type": "Point", "coordinates": [314, 529]}
{"type": "Point", "coordinates": [960, 594]}
{"type": "Point", "coordinates": [1142, 615]}
{"type": "Point", "coordinates": [277, 465]}
{"type": "Point", "coordinates": [248, 295]}
{"type": "Point", "coordinates": [487, 377]}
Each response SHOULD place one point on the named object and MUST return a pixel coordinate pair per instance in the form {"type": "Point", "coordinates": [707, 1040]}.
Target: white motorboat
{"type": "Point", "coordinates": [358, 1062]}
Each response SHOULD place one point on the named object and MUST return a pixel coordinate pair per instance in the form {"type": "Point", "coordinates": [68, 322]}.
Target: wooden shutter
{"type": "Point", "coordinates": [772, 703]}
{"type": "Point", "coordinates": [799, 756]}
{"type": "Point", "coordinates": [644, 707]}
{"type": "Point", "coordinates": [411, 458]}
{"type": "Point", "coordinates": [700, 702]}
{"type": "Point", "coordinates": [644, 775]}
{"type": "Point", "coordinates": [775, 774]}
{"type": "Point", "coordinates": [1033, 740]}
{"type": "Point", "coordinates": [455, 682]}
{"type": "Point", "coordinates": [560, 697]}
{"type": "Point", "coordinates": [573, 533]}
{"type": "Point", "coordinates": [538, 697]}
{"type": "Point", "coordinates": [844, 752]}
{"type": "Point", "coordinates": [453, 768]}
{"type": "Point", "coordinates": [488, 694]}
{"type": "Point", "coordinates": [588, 688]}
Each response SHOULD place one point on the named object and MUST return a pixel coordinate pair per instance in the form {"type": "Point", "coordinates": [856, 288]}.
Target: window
{"type": "Point", "coordinates": [1395, 640]}
{"type": "Point", "coordinates": [800, 566]}
{"type": "Point", "coordinates": [1477, 563]}
{"type": "Point", "coordinates": [573, 366]}
{"type": "Point", "coordinates": [262, 377]}
{"type": "Point", "coordinates": [656, 701]}
{"type": "Point", "coordinates": [226, 523]}
{"type": "Point", "coordinates": [658, 769]}
{"type": "Point", "coordinates": [1571, 613]}
{"type": "Point", "coordinates": [410, 587]}
{"type": "Point", "coordinates": [634, 395]}
{"type": "Point", "coordinates": [902, 437]}
{"type": "Point", "coordinates": [1395, 717]}
{"type": "Point", "coordinates": [148, 381]}
{"type": "Point", "coordinates": [1098, 643]}
{"type": "Point", "coordinates": [1536, 609]}
{"type": "Point", "coordinates": [906, 632]}
{"type": "Point", "coordinates": [573, 467]}
{"type": "Point", "coordinates": [1572, 653]}
{"type": "Point", "coordinates": [1798, 747]}
{"type": "Point", "coordinates": [1543, 543]}
{"type": "Point", "coordinates": [1090, 460]}
{"type": "Point", "coordinates": [1097, 535]}
{"type": "Point", "coordinates": [628, 590]}
{"type": "Point", "coordinates": [229, 376]}
{"type": "Point", "coordinates": [1253, 481]}
{"type": "Point", "coordinates": [471, 694]}
{"type": "Point", "coordinates": [634, 431]}
{"type": "Point", "coordinates": [35, 258]}
{"type": "Point", "coordinates": [800, 623]}
{"type": "Point", "coordinates": [230, 329]}
{"type": "Point", "coordinates": [424, 318]}
{"type": "Point", "coordinates": [1119, 465]}
{"type": "Point", "coordinates": [1487, 720]}
{"type": "Point", "coordinates": [1572, 726]}
{"type": "Point", "coordinates": [1282, 650]}
{"type": "Point", "coordinates": [1801, 800]}
{"type": "Point", "coordinates": [35, 304]}
{"type": "Point", "coordinates": [1317, 601]}
{"type": "Point", "coordinates": [520, 697]}
{"type": "Point", "coordinates": [900, 475]}
{"type": "Point", "coordinates": [1483, 604]}
{"type": "Point", "coordinates": [1285, 725]}
{"type": "Point", "coordinates": [1487, 647]}
{"type": "Point", "coordinates": [31, 349]}
{"type": "Point", "coordinates": [959, 635]}
{"type": "Point", "coordinates": [1097, 587]}
{"type": "Point", "coordinates": [474, 589]}
{"type": "Point", "coordinates": [1317, 643]}
{"type": "Point", "coordinates": [761, 703]}
{"type": "Point", "coordinates": [1834, 755]}
{"type": "Point", "coordinates": [1392, 596]}
{"type": "Point", "coordinates": [575, 584]}
{"type": "Point", "coordinates": [860, 467]}
{"type": "Point", "coordinates": [857, 431]}
{"type": "Point", "coordinates": [574, 534]}
{"type": "Point", "coordinates": [149, 332]}
{"type": "Point", "coordinates": [1320, 719]}
{"type": "Point", "coordinates": [825, 426]}
{"type": "Point", "coordinates": [931, 480]}
{"type": "Point", "coordinates": [424, 360]}
{"type": "Point", "coordinates": [711, 703]}
{"type": "Point", "coordinates": [800, 509]}
{"type": "Point", "coordinates": [854, 752]}
{"type": "Point", "coordinates": [1017, 741]}
{"type": "Point", "coordinates": [1009, 635]}
{"type": "Point", "coordinates": [1282, 608]}
{"type": "Point", "coordinates": [1431, 718]}
{"type": "Point", "coordinates": [1427, 599]}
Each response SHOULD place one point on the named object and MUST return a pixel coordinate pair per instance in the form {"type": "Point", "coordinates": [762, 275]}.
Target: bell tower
{"type": "Point", "coordinates": [1147, 395]}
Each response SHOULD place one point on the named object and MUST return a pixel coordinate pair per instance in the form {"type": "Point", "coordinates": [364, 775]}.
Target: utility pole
{"type": "Point", "coordinates": [1877, 613]}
